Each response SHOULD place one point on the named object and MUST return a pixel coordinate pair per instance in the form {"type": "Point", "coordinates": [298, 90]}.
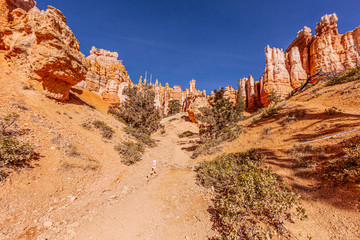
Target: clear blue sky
{"type": "Point", "coordinates": [214, 42]}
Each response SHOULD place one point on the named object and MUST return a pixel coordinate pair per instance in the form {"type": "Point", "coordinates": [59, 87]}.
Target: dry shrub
{"type": "Point", "coordinates": [15, 154]}
{"type": "Point", "coordinates": [106, 131]}
{"type": "Point", "coordinates": [305, 155]}
{"type": "Point", "coordinates": [87, 125]}
{"type": "Point", "coordinates": [130, 151]}
{"type": "Point", "coordinates": [346, 168]}
{"type": "Point", "coordinates": [250, 202]}
{"type": "Point", "coordinates": [85, 167]}
{"type": "Point", "coordinates": [8, 121]}
{"type": "Point", "coordinates": [270, 111]}
{"type": "Point", "coordinates": [73, 151]}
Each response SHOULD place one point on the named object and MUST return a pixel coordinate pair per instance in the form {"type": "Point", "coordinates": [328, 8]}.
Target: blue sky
{"type": "Point", "coordinates": [214, 42]}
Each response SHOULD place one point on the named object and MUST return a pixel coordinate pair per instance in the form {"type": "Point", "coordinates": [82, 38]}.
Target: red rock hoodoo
{"type": "Point", "coordinates": [327, 50]}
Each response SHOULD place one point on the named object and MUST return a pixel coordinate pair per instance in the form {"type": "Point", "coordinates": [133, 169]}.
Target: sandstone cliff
{"type": "Point", "coordinates": [39, 45]}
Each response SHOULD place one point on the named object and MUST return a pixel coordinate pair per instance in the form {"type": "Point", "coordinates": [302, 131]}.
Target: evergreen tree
{"type": "Point", "coordinates": [138, 110]}
{"type": "Point", "coordinates": [220, 115]}
{"type": "Point", "coordinates": [174, 107]}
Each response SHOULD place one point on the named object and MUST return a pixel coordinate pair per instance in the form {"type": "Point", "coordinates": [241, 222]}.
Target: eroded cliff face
{"type": "Point", "coordinates": [39, 45]}
{"type": "Point", "coordinates": [330, 50]}
{"type": "Point", "coordinates": [106, 75]}
{"type": "Point", "coordinates": [326, 50]}
{"type": "Point", "coordinates": [7, 6]}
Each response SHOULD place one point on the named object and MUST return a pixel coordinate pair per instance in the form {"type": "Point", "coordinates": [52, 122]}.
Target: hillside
{"type": "Point", "coordinates": [289, 169]}
{"type": "Point", "coordinates": [78, 189]}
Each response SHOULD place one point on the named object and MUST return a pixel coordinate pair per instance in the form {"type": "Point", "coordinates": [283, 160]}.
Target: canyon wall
{"type": "Point", "coordinates": [40, 46]}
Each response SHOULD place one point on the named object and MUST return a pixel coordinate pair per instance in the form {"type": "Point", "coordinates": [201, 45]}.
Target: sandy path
{"type": "Point", "coordinates": [168, 205]}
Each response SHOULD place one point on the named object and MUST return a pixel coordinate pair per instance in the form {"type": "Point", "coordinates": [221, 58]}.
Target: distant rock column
{"type": "Point", "coordinates": [276, 78]}
{"type": "Point", "coordinates": [297, 72]}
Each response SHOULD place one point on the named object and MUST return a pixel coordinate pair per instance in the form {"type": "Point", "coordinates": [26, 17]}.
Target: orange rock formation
{"type": "Point", "coordinates": [326, 50]}
{"type": "Point", "coordinates": [39, 45]}
{"type": "Point", "coordinates": [106, 76]}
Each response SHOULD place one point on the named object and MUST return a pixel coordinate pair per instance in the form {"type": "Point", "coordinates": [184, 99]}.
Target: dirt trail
{"type": "Point", "coordinates": [166, 205]}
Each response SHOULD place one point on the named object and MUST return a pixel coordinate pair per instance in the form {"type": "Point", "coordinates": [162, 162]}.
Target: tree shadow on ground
{"type": "Point", "coordinates": [309, 181]}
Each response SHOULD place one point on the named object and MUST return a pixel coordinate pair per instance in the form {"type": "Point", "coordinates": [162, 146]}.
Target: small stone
{"type": "Point", "coordinates": [48, 224]}
{"type": "Point", "coordinates": [125, 190]}
{"type": "Point", "coordinates": [72, 198]}
{"type": "Point", "coordinates": [113, 197]}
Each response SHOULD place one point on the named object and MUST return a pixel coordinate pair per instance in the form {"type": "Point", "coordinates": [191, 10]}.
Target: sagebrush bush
{"type": "Point", "coordinates": [130, 151]}
{"type": "Point", "coordinates": [106, 131]}
{"type": "Point", "coordinates": [7, 122]}
{"type": "Point", "coordinates": [186, 134]}
{"type": "Point", "coordinates": [14, 154]}
{"type": "Point", "coordinates": [140, 136]}
{"type": "Point", "coordinates": [346, 168]}
{"type": "Point", "coordinates": [250, 202]}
